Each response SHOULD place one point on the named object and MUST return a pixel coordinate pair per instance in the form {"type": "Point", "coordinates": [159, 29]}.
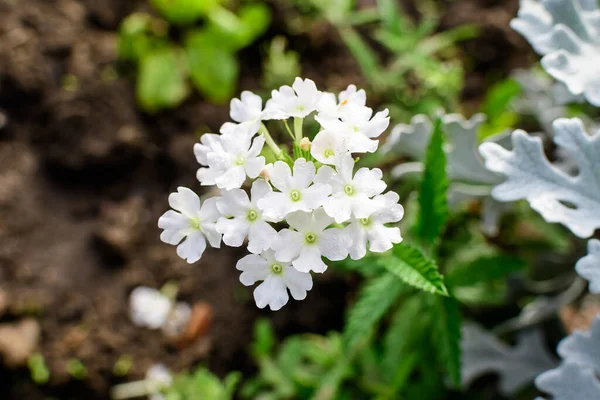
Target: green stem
{"type": "Point", "coordinates": [298, 129]}
{"type": "Point", "coordinates": [269, 140]}
{"type": "Point", "coordinates": [287, 128]}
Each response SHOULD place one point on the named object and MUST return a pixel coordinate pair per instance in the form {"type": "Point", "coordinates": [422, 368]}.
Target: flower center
{"type": "Point", "coordinates": [252, 215]}
{"type": "Point", "coordinates": [239, 160]}
{"type": "Point", "coordinates": [195, 223]}
{"type": "Point", "coordinates": [310, 238]}
{"type": "Point", "coordinates": [365, 221]}
{"type": "Point", "coordinates": [300, 107]}
{"type": "Point", "coordinates": [277, 268]}
{"type": "Point", "coordinates": [356, 129]}
{"type": "Point", "coordinates": [349, 190]}
{"type": "Point", "coordinates": [329, 153]}
{"type": "Point", "coordinates": [295, 195]}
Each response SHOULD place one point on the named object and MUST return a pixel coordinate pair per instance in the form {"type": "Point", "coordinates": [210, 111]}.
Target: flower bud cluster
{"type": "Point", "coordinates": [326, 210]}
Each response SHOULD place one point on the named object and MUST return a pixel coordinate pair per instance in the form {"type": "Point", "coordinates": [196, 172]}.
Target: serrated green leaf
{"type": "Point", "coordinates": [161, 81]}
{"type": "Point", "coordinates": [433, 212]}
{"type": "Point", "coordinates": [447, 336]}
{"type": "Point", "coordinates": [485, 269]}
{"type": "Point", "coordinates": [214, 68]}
{"type": "Point", "coordinates": [374, 299]}
{"type": "Point", "coordinates": [410, 265]}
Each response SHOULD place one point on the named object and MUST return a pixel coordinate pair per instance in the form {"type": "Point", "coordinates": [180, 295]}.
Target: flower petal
{"type": "Point", "coordinates": [192, 248]}
{"type": "Point", "coordinates": [310, 259]}
{"type": "Point", "coordinates": [304, 173]}
{"type": "Point", "coordinates": [287, 245]}
{"type": "Point", "coordinates": [297, 282]}
{"type": "Point", "coordinates": [254, 268]}
{"type": "Point", "coordinates": [185, 201]}
{"type": "Point", "coordinates": [260, 236]}
{"type": "Point", "coordinates": [334, 244]}
{"type": "Point", "coordinates": [233, 202]}
{"type": "Point", "coordinates": [271, 292]}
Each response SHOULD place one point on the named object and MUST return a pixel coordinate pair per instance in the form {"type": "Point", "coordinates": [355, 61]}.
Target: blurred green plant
{"type": "Point", "coordinates": [202, 384]}
{"type": "Point", "coordinates": [204, 58]}
{"type": "Point", "coordinates": [76, 369]}
{"type": "Point", "coordinates": [413, 68]}
{"type": "Point", "coordinates": [37, 369]}
{"type": "Point", "coordinates": [280, 66]}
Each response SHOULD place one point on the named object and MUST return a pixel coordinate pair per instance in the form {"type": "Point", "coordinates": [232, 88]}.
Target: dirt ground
{"type": "Point", "coordinates": [84, 176]}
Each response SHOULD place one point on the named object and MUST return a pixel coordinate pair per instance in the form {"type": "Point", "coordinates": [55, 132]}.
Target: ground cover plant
{"type": "Point", "coordinates": [299, 199]}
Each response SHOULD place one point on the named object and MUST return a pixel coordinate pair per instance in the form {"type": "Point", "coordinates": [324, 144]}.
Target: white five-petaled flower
{"type": "Point", "coordinates": [328, 147]}
{"type": "Point", "coordinates": [329, 106]}
{"type": "Point", "coordinates": [373, 230]}
{"type": "Point", "coordinates": [191, 222]}
{"type": "Point", "coordinates": [148, 307]}
{"type": "Point", "coordinates": [356, 123]}
{"type": "Point", "coordinates": [310, 241]}
{"type": "Point", "coordinates": [295, 191]}
{"type": "Point", "coordinates": [246, 109]}
{"type": "Point", "coordinates": [277, 277]}
{"type": "Point", "coordinates": [297, 101]}
{"type": "Point", "coordinates": [246, 218]}
{"type": "Point", "coordinates": [230, 157]}
{"type": "Point", "coordinates": [351, 195]}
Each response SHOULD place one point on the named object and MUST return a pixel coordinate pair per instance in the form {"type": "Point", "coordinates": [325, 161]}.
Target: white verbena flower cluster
{"type": "Point", "coordinates": [328, 210]}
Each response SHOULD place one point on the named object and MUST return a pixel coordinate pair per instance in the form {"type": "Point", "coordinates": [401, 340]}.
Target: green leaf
{"type": "Point", "coordinates": [161, 81]}
{"type": "Point", "coordinates": [374, 299]}
{"type": "Point", "coordinates": [410, 264]}
{"type": "Point", "coordinates": [183, 12]}
{"type": "Point", "coordinates": [485, 269]}
{"type": "Point", "coordinates": [234, 32]}
{"type": "Point", "coordinates": [447, 321]}
{"type": "Point", "coordinates": [264, 338]}
{"type": "Point", "coordinates": [496, 106]}
{"type": "Point", "coordinates": [433, 213]}
{"type": "Point", "coordinates": [137, 38]}
{"type": "Point", "coordinates": [213, 68]}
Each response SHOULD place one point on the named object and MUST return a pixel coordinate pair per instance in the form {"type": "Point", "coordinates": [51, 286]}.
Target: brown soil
{"type": "Point", "coordinates": [84, 177]}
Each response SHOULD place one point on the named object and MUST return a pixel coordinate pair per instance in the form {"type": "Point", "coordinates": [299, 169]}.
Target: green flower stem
{"type": "Point", "coordinates": [298, 129]}
{"type": "Point", "coordinates": [269, 140]}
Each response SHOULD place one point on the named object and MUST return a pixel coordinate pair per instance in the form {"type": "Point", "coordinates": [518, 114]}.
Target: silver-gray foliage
{"type": "Point", "coordinates": [589, 266]}
{"type": "Point", "coordinates": [567, 34]}
{"type": "Point", "coordinates": [483, 353]}
{"type": "Point", "coordinates": [573, 201]}
{"type": "Point", "coordinates": [577, 376]}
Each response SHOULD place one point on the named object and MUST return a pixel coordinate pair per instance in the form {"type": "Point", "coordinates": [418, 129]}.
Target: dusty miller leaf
{"type": "Point", "coordinates": [589, 266]}
{"type": "Point", "coordinates": [567, 34]}
{"type": "Point", "coordinates": [573, 201]}
{"type": "Point", "coordinates": [483, 353]}
{"type": "Point", "coordinates": [577, 377]}
{"type": "Point", "coordinates": [464, 162]}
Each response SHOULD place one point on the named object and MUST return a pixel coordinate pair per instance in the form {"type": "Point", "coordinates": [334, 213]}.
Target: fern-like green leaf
{"type": "Point", "coordinates": [375, 298]}
{"type": "Point", "coordinates": [447, 336]}
{"type": "Point", "coordinates": [433, 214]}
{"type": "Point", "coordinates": [410, 264]}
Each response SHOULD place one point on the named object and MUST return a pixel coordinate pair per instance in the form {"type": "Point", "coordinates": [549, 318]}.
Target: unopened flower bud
{"type": "Point", "coordinates": [305, 144]}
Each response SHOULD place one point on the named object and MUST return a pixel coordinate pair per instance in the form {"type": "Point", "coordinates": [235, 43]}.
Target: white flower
{"type": "Point", "coordinates": [191, 222]}
{"type": "Point", "coordinates": [356, 123]}
{"type": "Point", "coordinates": [158, 377]}
{"type": "Point", "coordinates": [331, 108]}
{"type": "Point", "coordinates": [297, 101]}
{"type": "Point", "coordinates": [351, 195]}
{"type": "Point", "coordinates": [148, 307]}
{"type": "Point", "coordinates": [296, 192]}
{"type": "Point", "coordinates": [248, 108]}
{"type": "Point", "coordinates": [373, 230]}
{"type": "Point", "coordinates": [328, 147]}
{"type": "Point", "coordinates": [310, 240]}
{"type": "Point", "coordinates": [277, 278]}
{"type": "Point", "coordinates": [230, 157]}
{"type": "Point", "coordinates": [247, 219]}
